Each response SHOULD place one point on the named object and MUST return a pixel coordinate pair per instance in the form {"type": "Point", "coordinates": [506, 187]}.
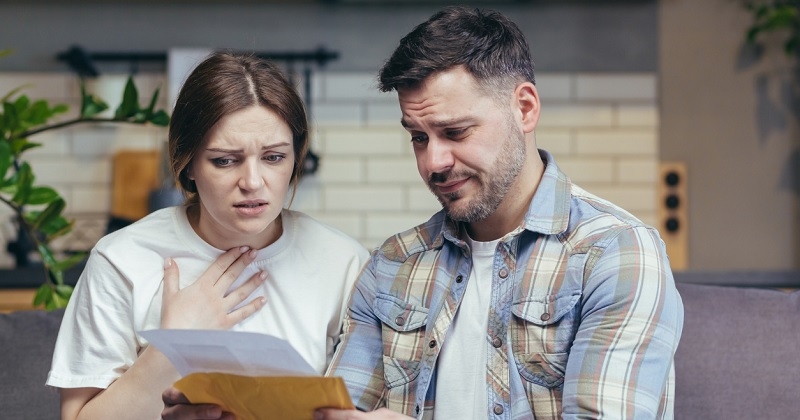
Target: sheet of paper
{"type": "Point", "coordinates": [235, 352]}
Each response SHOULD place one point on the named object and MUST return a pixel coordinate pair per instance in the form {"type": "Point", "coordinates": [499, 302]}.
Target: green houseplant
{"type": "Point", "coordinates": [39, 208]}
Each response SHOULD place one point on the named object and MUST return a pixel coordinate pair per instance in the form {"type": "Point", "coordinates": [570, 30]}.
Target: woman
{"type": "Point", "coordinates": [237, 142]}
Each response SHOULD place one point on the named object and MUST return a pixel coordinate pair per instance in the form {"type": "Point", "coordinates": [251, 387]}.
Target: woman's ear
{"type": "Point", "coordinates": [526, 99]}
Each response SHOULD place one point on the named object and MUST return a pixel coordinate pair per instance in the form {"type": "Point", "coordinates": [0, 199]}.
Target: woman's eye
{"type": "Point", "coordinates": [222, 161]}
{"type": "Point", "coordinates": [274, 158]}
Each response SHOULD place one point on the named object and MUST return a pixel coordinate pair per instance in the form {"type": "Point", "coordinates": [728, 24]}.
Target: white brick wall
{"type": "Point", "coordinates": [602, 129]}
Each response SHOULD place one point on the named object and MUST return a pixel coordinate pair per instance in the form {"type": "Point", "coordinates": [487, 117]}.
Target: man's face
{"type": "Point", "coordinates": [468, 146]}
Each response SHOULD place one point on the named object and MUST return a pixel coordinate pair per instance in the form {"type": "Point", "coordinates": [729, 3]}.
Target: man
{"type": "Point", "coordinates": [526, 296]}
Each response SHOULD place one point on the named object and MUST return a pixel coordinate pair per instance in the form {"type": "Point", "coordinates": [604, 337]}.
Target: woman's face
{"type": "Point", "coordinates": [242, 175]}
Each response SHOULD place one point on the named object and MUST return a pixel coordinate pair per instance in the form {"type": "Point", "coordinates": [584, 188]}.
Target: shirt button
{"type": "Point", "coordinates": [432, 344]}
{"type": "Point", "coordinates": [503, 273]}
{"type": "Point", "coordinates": [497, 343]}
{"type": "Point", "coordinates": [498, 409]}
{"type": "Point", "coordinates": [399, 320]}
{"type": "Point", "coordinates": [545, 316]}
{"type": "Point", "coordinates": [459, 278]}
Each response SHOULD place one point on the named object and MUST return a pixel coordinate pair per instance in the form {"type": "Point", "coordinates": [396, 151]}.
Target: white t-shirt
{"type": "Point", "coordinates": [461, 367]}
{"type": "Point", "coordinates": [311, 269]}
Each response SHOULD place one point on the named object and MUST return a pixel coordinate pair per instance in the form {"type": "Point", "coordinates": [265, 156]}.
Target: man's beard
{"type": "Point", "coordinates": [493, 185]}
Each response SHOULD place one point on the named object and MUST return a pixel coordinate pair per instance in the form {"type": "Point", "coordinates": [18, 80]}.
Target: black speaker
{"type": "Point", "coordinates": [673, 212]}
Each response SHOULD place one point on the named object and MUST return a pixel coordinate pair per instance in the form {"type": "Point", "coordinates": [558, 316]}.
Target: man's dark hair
{"type": "Point", "coordinates": [489, 45]}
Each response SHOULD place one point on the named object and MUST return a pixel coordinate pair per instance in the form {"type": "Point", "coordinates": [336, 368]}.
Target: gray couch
{"type": "Point", "coordinates": [738, 358]}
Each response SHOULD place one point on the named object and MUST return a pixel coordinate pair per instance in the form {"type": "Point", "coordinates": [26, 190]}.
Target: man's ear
{"type": "Point", "coordinates": [526, 100]}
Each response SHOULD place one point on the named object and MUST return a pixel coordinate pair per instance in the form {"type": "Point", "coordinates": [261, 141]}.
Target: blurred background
{"type": "Point", "coordinates": [659, 106]}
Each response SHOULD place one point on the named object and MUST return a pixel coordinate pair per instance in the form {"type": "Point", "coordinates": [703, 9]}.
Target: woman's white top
{"type": "Point", "coordinates": [311, 269]}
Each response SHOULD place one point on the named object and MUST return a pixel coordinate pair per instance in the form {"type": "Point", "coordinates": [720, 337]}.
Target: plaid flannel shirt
{"type": "Point", "coordinates": [584, 318]}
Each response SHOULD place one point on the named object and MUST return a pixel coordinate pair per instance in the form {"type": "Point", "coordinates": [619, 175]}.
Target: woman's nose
{"type": "Point", "coordinates": [251, 177]}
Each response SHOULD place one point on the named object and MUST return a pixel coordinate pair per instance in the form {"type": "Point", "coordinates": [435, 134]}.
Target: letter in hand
{"type": "Point", "coordinates": [177, 407]}
{"type": "Point", "coordinates": [206, 303]}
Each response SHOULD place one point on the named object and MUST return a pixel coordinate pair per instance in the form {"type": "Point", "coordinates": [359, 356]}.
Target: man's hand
{"type": "Point", "coordinates": [380, 414]}
{"type": "Point", "coordinates": [206, 303]}
{"type": "Point", "coordinates": [177, 407]}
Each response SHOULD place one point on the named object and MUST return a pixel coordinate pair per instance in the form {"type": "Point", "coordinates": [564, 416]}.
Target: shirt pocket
{"type": "Point", "coordinates": [403, 334]}
{"type": "Point", "coordinates": [542, 331]}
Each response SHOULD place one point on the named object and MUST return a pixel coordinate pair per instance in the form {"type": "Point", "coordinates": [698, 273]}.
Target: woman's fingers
{"type": "Point", "coordinates": [230, 269]}
{"type": "Point", "coordinates": [241, 293]}
{"type": "Point", "coordinates": [172, 283]}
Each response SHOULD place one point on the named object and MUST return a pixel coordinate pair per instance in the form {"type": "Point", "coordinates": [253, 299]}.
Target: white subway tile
{"type": "Point", "coordinates": [632, 171]}
{"type": "Point", "coordinates": [392, 170]}
{"type": "Point", "coordinates": [336, 169]}
{"type": "Point", "coordinates": [617, 142]}
{"type": "Point", "coordinates": [89, 199]}
{"type": "Point", "coordinates": [53, 143]}
{"type": "Point", "coordinates": [349, 86]}
{"type": "Point", "coordinates": [636, 86]}
{"type": "Point", "coordinates": [554, 86]}
{"type": "Point", "coordinates": [337, 114]}
{"type": "Point", "coordinates": [349, 223]}
{"type": "Point", "coordinates": [308, 195]}
{"type": "Point", "coordinates": [386, 225]}
{"type": "Point", "coordinates": [358, 198]}
{"type": "Point", "coordinates": [384, 113]}
{"type": "Point", "coordinates": [49, 86]}
{"type": "Point", "coordinates": [370, 142]}
{"type": "Point", "coordinates": [637, 115]}
{"type": "Point", "coordinates": [575, 115]}
{"type": "Point", "coordinates": [66, 171]}
{"type": "Point", "coordinates": [632, 199]}
{"type": "Point", "coordinates": [588, 170]}
{"type": "Point", "coordinates": [421, 199]}
{"type": "Point", "coordinates": [556, 141]}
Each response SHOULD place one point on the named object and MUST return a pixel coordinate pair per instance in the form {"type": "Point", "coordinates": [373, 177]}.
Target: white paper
{"type": "Point", "coordinates": [236, 352]}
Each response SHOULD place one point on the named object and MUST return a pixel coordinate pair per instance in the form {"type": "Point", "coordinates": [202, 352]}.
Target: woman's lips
{"type": "Point", "coordinates": [251, 208]}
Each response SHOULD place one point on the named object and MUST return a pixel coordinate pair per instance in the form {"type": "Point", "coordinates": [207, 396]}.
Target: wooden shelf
{"type": "Point", "coordinates": [16, 299]}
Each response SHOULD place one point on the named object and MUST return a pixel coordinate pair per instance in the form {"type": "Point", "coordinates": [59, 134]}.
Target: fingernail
{"type": "Point", "coordinates": [167, 262]}
{"type": "Point", "coordinates": [253, 253]}
{"type": "Point", "coordinates": [243, 249]}
{"type": "Point", "coordinates": [262, 275]}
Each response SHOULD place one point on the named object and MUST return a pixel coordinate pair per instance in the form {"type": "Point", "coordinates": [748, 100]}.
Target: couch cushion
{"type": "Point", "coordinates": [27, 339]}
{"type": "Point", "coordinates": [738, 355]}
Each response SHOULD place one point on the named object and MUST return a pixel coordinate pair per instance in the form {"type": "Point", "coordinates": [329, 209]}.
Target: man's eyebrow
{"type": "Point", "coordinates": [442, 123]}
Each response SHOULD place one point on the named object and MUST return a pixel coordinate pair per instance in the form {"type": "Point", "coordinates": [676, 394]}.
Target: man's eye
{"type": "Point", "coordinates": [457, 134]}
{"type": "Point", "coordinates": [419, 139]}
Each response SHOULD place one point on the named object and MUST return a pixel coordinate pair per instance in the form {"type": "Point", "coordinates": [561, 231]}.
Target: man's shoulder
{"type": "Point", "coordinates": [421, 238]}
{"type": "Point", "coordinates": [594, 221]}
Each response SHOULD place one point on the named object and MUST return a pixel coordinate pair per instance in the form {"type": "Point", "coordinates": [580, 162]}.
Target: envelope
{"type": "Point", "coordinates": [266, 397]}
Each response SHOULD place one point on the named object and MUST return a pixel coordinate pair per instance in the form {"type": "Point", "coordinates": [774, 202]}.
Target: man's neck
{"type": "Point", "coordinates": [511, 212]}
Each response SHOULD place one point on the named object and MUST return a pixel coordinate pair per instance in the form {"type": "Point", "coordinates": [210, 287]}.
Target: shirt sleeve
{"type": "Point", "coordinates": [96, 341]}
{"type": "Point", "coordinates": [620, 364]}
{"type": "Point", "coordinates": [359, 358]}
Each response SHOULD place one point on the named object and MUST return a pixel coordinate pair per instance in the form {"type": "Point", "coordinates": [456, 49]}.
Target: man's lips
{"type": "Point", "coordinates": [452, 186]}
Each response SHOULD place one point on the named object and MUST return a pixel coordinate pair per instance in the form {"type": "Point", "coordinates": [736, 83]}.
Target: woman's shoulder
{"type": "Point", "coordinates": [154, 230]}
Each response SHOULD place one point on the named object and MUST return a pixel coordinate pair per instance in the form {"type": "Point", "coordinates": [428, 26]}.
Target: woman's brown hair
{"type": "Point", "coordinates": [226, 82]}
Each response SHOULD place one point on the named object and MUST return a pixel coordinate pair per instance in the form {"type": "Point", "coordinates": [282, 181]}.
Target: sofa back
{"type": "Point", "coordinates": [739, 355]}
{"type": "Point", "coordinates": [27, 339]}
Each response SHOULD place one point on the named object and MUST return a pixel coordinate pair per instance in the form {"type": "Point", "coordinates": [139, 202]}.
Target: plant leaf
{"type": "Point", "coordinates": [42, 195]}
{"type": "Point", "coordinates": [160, 118]}
{"type": "Point", "coordinates": [43, 294]}
{"type": "Point", "coordinates": [5, 158]}
{"type": "Point", "coordinates": [70, 261]}
{"type": "Point", "coordinates": [130, 101]}
{"type": "Point", "coordinates": [49, 214]}
{"type": "Point", "coordinates": [24, 183]}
